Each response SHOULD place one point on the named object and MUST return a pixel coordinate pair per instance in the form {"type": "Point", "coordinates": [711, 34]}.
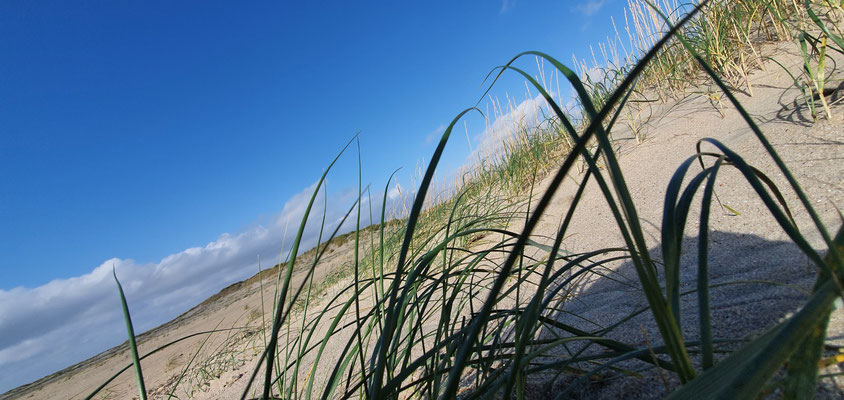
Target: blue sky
{"type": "Point", "coordinates": [149, 135]}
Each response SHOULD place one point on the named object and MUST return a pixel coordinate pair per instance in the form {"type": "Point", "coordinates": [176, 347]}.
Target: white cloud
{"type": "Point", "coordinates": [491, 140]}
{"type": "Point", "coordinates": [46, 328]}
{"type": "Point", "coordinates": [590, 7]}
{"type": "Point", "coordinates": [507, 5]}
{"type": "Point", "coordinates": [395, 192]}
{"type": "Point", "coordinates": [434, 134]}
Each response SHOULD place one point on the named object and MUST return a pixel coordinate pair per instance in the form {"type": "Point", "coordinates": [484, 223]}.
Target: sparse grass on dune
{"type": "Point", "coordinates": [726, 36]}
{"type": "Point", "coordinates": [452, 301]}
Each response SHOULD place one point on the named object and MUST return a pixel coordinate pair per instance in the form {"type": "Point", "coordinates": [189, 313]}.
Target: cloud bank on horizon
{"type": "Point", "coordinates": [65, 321]}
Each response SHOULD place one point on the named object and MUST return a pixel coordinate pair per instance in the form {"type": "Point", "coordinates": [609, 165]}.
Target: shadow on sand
{"type": "Point", "coordinates": [754, 283]}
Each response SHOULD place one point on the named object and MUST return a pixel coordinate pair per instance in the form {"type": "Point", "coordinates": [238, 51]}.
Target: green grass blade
{"type": "Point", "coordinates": [704, 311]}
{"type": "Point", "coordinates": [802, 368]}
{"type": "Point", "coordinates": [133, 347]}
{"type": "Point", "coordinates": [673, 223]}
{"type": "Point", "coordinates": [357, 275]}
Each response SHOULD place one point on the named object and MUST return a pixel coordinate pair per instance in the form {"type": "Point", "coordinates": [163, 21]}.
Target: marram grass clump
{"type": "Point", "coordinates": [452, 302]}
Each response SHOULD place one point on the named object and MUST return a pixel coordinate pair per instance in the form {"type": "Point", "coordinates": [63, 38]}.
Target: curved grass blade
{"type": "Point", "coordinates": [673, 224]}
{"type": "Point", "coordinates": [133, 347]}
{"type": "Point", "coordinates": [704, 312]}
{"type": "Point", "coordinates": [357, 276]}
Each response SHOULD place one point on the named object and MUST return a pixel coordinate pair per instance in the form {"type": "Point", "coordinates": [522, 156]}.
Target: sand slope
{"type": "Point", "coordinates": [745, 250]}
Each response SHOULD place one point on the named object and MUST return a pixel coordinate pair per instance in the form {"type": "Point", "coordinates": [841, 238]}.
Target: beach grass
{"type": "Point", "coordinates": [458, 298]}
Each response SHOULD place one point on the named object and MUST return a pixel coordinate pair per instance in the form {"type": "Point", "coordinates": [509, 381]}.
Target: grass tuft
{"type": "Point", "coordinates": [462, 299]}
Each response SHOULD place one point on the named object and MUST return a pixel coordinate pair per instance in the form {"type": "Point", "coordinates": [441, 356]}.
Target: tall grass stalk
{"type": "Point", "coordinates": [133, 347]}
